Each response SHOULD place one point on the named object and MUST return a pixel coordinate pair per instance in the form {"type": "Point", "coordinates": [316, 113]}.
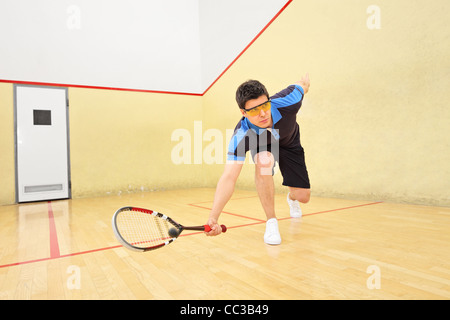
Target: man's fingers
{"type": "Point", "coordinates": [215, 230]}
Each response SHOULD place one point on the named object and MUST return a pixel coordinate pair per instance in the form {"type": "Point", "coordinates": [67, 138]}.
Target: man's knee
{"type": "Point", "coordinates": [301, 195]}
{"type": "Point", "coordinates": [264, 162]}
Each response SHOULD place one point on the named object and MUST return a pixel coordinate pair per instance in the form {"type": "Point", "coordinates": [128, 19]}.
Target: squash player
{"type": "Point", "coordinates": [269, 130]}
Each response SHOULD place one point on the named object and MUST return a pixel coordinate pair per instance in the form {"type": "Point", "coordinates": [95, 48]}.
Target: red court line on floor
{"type": "Point", "coordinates": [260, 220]}
{"type": "Point", "coordinates": [60, 256]}
{"type": "Point", "coordinates": [357, 206]}
{"type": "Point", "coordinates": [229, 213]}
{"type": "Point", "coordinates": [236, 198]}
{"type": "Point", "coordinates": [57, 255]}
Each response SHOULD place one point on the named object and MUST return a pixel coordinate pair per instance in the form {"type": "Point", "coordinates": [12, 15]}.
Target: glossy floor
{"type": "Point", "coordinates": [339, 249]}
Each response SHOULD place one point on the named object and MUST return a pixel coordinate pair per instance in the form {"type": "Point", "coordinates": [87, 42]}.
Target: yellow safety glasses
{"type": "Point", "coordinates": [256, 110]}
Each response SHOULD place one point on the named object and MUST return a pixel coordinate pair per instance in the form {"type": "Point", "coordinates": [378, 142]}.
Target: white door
{"type": "Point", "coordinates": [42, 153]}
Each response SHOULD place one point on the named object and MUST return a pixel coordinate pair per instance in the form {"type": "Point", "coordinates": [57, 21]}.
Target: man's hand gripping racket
{"type": "Point", "coordinates": [143, 230]}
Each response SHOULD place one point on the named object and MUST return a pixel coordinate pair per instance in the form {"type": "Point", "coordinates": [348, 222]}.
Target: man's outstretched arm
{"type": "Point", "coordinates": [224, 191]}
{"type": "Point", "coordinates": [304, 83]}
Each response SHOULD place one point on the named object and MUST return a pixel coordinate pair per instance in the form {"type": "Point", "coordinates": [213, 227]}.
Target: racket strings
{"type": "Point", "coordinates": [142, 230]}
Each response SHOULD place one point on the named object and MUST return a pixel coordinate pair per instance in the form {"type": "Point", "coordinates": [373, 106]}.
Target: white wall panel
{"type": "Point", "coordinates": [157, 45]}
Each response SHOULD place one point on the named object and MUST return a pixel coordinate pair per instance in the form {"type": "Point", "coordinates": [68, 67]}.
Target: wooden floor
{"type": "Point", "coordinates": [340, 249]}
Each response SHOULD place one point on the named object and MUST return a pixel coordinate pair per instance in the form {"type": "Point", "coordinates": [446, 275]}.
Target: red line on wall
{"type": "Point", "coordinates": [248, 46]}
{"type": "Point", "coordinates": [151, 91]}
{"type": "Point", "coordinates": [96, 87]}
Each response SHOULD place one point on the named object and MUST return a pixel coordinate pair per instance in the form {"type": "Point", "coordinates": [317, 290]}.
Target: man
{"type": "Point", "coordinates": [270, 131]}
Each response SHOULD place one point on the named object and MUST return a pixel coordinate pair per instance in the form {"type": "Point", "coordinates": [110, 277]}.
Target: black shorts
{"type": "Point", "coordinates": [292, 165]}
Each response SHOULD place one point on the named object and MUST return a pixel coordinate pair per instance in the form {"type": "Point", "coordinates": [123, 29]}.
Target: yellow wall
{"type": "Point", "coordinates": [376, 123]}
{"type": "Point", "coordinates": [374, 126]}
{"type": "Point", "coordinates": [7, 173]}
{"type": "Point", "coordinates": [121, 141]}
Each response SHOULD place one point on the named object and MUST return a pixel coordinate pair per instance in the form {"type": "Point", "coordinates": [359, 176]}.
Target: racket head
{"type": "Point", "coordinates": [142, 230]}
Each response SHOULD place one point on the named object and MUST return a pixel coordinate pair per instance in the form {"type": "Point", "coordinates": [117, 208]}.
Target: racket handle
{"type": "Point", "coordinates": [208, 228]}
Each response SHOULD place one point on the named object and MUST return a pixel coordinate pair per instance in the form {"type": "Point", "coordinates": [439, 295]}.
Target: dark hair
{"type": "Point", "coordinates": [249, 90]}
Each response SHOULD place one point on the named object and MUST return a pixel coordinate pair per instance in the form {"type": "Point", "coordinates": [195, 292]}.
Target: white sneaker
{"type": "Point", "coordinates": [272, 235]}
{"type": "Point", "coordinates": [294, 205]}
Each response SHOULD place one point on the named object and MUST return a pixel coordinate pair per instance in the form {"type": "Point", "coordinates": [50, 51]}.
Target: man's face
{"type": "Point", "coordinates": [261, 116]}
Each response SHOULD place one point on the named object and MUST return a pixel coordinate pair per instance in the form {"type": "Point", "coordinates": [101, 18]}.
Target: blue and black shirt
{"type": "Point", "coordinates": [285, 132]}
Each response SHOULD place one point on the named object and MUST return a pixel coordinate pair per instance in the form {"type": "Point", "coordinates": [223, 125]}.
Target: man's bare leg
{"type": "Point", "coordinates": [295, 196]}
{"type": "Point", "coordinates": [300, 194]}
{"type": "Point", "coordinates": [264, 182]}
{"type": "Point", "coordinates": [264, 162]}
